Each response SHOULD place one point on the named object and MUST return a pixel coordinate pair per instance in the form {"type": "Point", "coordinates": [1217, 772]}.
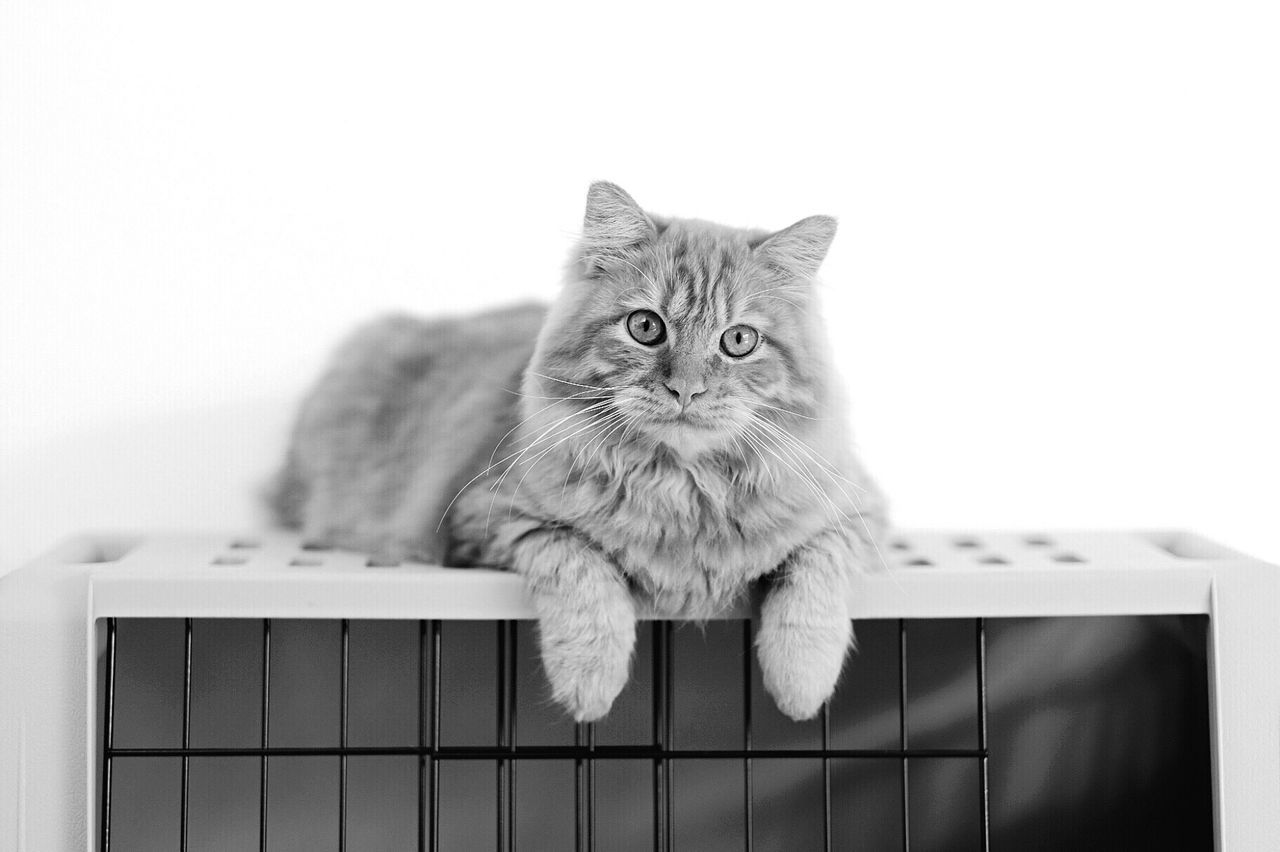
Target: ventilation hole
{"type": "Point", "coordinates": [966, 542]}
{"type": "Point", "coordinates": [315, 547]}
{"type": "Point", "coordinates": [900, 545]}
{"type": "Point", "coordinates": [383, 563]}
{"type": "Point", "coordinates": [306, 563]}
{"type": "Point", "coordinates": [1037, 541]}
{"type": "Point", "coordinates": [919, 563]}
{"type": "Point", "coordinates": [244, 544]}
{"type": "Point", "coordinates": [1067, 557]}
{"type": "Point", "coordinates": [994, 560]}
{"type": "Point", "coordinates": [230, 560]}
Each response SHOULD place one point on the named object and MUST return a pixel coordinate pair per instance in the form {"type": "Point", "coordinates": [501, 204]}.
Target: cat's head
{"type": "Point", "coordinates": [696, 335]}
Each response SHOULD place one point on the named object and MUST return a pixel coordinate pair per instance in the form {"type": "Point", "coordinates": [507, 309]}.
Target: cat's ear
{"type": "Point", "coordinates": [799, 250]}
{"type": "Point", "coordinates": [614, 225]}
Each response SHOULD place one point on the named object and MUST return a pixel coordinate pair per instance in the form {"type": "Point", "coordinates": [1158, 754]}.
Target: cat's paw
{"type": "Point", "coordinates": [801, 663]}
{"type": "Point", "coordinates": [587, 669]}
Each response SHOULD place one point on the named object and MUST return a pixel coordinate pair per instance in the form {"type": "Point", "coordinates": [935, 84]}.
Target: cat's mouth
{"type": "Point", "coordinates": [683, 418]}
{"type": "Point", "coordinates": [687, 435]}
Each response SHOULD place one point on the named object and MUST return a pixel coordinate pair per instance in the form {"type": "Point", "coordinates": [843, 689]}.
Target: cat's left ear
{"type": "Point", "coordinates": [614, 225]}
{"type": "Point", "coordinates": [798, 251]}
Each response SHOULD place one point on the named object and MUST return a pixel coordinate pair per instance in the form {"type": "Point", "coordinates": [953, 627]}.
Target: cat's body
{"type": "Point", "coordinates": [570, 445]}
{"type": "Point", "coordinates": [408, 411]}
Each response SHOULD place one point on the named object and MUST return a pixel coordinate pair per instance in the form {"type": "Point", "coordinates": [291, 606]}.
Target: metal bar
{"type": "Point", "coordinates": [746, 728]}
{"type": "Point", "coordinates": [266, 731]}
{"type": "Point", "coordinates": [506, 735]}
{"type": "Point", "coordinates": [659, 736]}
{"type": "Point", "coordinates": [422, 735]}
{"type": "Point", "coordinates": [186, 727]}
{"type": "Point", "coordinates": [984, 793]}
{"type": "Point", "coordinates": [512, 737]}
{"type": "Point", "coordinates": [591, 787]}
{"type": "Point", "coordinates": [435, 735]}
{"type": "Point", "coordinates": [503, 709]}
{"type": "Point", "coordinates": [826, 779]}
{"type": "Point", "coordinates": [342, 734]}
{"type": "Point", "coordinates": [108, 733]}
{"type": "Point", "coordinates": [902, 728]}
{"type": "Point", "coordinates": [579, 789]}
{"type": "Point", "coordinates": [669, 740]}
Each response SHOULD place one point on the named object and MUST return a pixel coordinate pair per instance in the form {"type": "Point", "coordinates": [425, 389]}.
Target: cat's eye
{"type": "Point", "coordinates": [646, 327]}
{"type": "Point", "coordinates": [739, 341]}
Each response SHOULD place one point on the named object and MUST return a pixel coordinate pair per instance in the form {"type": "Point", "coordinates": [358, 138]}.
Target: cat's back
{"type": "Point", "coordinates": [398, 358]}
{"type": "Point", "coordinates": [403, 401]}
{"type": "Point", "coordinates": [400, 348]}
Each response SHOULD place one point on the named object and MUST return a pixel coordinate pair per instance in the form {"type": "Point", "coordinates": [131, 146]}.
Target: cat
{"type": "Point", "coordinates": [669, 430]}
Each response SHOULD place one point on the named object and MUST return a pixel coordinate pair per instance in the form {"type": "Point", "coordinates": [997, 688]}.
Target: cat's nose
{"type": "Point", "coordinates": [684, 390]}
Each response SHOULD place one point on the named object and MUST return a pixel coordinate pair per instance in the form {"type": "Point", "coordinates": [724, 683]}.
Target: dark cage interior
{"type": "Point", "coordinates": [388, 735]}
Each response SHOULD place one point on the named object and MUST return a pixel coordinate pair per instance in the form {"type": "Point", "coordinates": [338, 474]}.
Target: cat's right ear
{"type": "Point", "coordinates": [613, 228]}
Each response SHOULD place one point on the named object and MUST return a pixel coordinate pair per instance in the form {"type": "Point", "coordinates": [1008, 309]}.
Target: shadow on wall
{"type": "Point", "coordinates": [1098, 732]}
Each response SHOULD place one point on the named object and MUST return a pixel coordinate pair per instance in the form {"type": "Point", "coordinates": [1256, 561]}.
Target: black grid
{"type": "Point", "coordinates": [662, 752]}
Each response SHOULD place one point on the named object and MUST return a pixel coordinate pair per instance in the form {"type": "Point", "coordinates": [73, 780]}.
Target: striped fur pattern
{"type": "Point", "coordinates": [626, 473]}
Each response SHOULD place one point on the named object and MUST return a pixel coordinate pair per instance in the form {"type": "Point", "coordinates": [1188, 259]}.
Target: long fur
{"type": "Point", "coordinates": [608, 472]}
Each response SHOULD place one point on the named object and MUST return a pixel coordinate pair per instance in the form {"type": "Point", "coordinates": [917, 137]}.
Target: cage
{"type": "Point", "coordinates": [215, 692]}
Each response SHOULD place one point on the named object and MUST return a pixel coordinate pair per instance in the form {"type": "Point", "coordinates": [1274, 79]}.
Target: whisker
{"type": "Point", "coordinates": [579, 395]}
{"type": "Point", "coordinates": [555, 429]}
{"type": "Point", "coordinates": [817, 458]}
{"type": "Point", "coordinates": [534, 461]}
{"type": "Point", "coordinates": [567, 382]}
{"type": "Point", "coordinates": [489, 468]}
{"type": "Point", "coordinates": [616, 416]}
{"type": "Point", "coordinates": [492, 464]}
{"type": "Point", "coordinates": [751, 402]}
{"type": "Point", "coordinates": [552, 430]}
{"type": "Point", "coordinates": [803, 475]}
{"type": "Point", "coordinates": [853, 502]}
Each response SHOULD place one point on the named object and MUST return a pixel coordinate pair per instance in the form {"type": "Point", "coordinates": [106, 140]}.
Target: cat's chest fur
{"type": "Point", "coordinates": [689, 537]}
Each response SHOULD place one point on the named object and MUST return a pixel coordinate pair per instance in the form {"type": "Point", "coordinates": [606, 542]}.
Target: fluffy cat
{"type": "Point", "coordinates": [678, 433]}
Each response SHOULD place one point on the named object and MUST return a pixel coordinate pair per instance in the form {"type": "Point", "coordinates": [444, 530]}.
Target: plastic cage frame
{"type": "Point", "coordinates": [58, 619]}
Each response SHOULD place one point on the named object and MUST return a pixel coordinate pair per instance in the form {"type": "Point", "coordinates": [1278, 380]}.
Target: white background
{"type": "Point", "coordinates": [1053, 292]}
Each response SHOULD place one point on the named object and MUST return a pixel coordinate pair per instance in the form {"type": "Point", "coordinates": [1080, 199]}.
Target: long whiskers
{"type": "Point", "coordinates": [489, 468]}
{"type": "Point", "coordinates": [809, 452]}
{"type": "Point", "coordinates": [793, 447]}
{"type": "Point", "coordinates": [755, 402]}
{"type": "Point", "coordinates": [567, 382]}
{"type": "Point", "coordinates": [593, 422]}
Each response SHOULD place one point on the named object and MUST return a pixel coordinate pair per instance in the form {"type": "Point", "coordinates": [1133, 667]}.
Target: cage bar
{"type": "Point", "coordinates": [902, 733]}
{"type": "Point", "coordinates": [746, 733]}
{"type": "Point", "coordinates": [108, 733]}
{"type": "Point", "coordinates": [266, 734]}
{"type": "Point", "coordinates": [436, 639]}
{"type": "Point", "coordinates": [983, 787]}
{"type": "Point", "coordinates": [186, 728]}
{"type": "Point", "coordinates": [422, 734]}
{"type": "Point", "coordinates": [506, 735]}
{"type": "Point", "coordinates": [826, 777]}
{"type": "Point", "coordinates": [342, 735]}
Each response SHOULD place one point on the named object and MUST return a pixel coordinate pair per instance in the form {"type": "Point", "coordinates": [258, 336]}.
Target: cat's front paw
{"type": "Point", "coordinates": [587, 667]}
{"type": "Point", "coordinates": [801, 663]}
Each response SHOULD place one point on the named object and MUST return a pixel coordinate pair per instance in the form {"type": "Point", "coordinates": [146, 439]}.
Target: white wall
{"type": "Point", "coordinates": [1053, 291]}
